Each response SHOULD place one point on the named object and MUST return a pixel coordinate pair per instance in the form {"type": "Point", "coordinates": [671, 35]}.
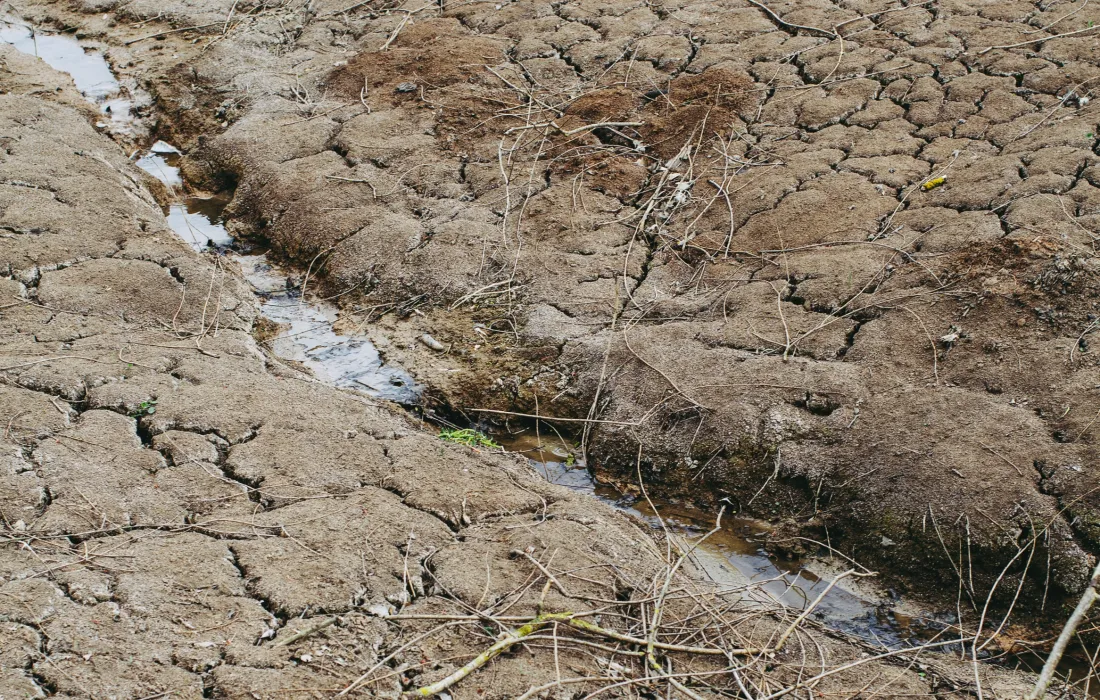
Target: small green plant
{"type": "Point", "coordinates": [570, 460]}
{"type": "Point", "coordinates": [145, 408]}
{"type": "Point", "coordinates": [468, 437]}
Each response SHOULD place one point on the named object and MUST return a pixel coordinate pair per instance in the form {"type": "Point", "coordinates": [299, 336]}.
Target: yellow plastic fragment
{"type": "Point", "coordinates": [933, 183]}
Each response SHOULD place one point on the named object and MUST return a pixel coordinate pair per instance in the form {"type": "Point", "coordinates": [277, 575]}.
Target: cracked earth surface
{"type": "Point", "coordinates": [701, 223]}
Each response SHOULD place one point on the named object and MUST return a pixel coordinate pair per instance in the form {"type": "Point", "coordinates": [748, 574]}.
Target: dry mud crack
{"type": "Point", "coordinates": [828, 263]}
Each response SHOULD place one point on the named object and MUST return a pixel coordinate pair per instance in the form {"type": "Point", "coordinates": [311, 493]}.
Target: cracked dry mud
{"type": "Point", "coordinates": [737, 272]}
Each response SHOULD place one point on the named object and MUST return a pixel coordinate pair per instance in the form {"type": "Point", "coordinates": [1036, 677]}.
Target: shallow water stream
{"type": "Point", "coordinates": [91, 74]}
{"type": "Point", "coordinates": [306, 335]}
{"type": "Point", "coordinates": [731, 556]}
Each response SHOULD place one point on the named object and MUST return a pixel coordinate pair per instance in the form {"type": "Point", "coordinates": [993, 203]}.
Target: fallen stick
{"type": "Point", "coordinates": [553, 418]}
{"type": "Point", "coordinates": [1089, 597]}
{"type": "Point", "coordinates": [305, 633]}
{"type": "Point", "coordinates": [170, 31]}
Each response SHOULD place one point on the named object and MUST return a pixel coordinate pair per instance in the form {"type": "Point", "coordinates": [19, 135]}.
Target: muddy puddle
{"type": "Point", "coordinates": [307, 334]}
{"type": "Point", "coordinates": [735, 556]}
{"type": "Point", "coordinates": [89, 70]}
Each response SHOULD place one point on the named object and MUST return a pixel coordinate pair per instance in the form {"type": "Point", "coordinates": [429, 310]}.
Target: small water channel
{"type": "Point", "coordinates": [306, 335]}
{"type": "Point", "coordinates": [91, 74]}
{"type": "Point", "coordinates": [733, 556]}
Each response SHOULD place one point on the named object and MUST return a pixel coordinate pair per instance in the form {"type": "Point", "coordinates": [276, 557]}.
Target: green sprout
{"type": "Point", "coordinates": [468, 437]}
{"type": "Point", "coordinates": [145, 408]}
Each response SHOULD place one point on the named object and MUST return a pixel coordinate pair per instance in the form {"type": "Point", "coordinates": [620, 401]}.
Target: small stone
{"type": "Point", "coordinates": [432, 343]}
{"type": "Point", "coordinates": [381, 610]}
{"type": "Point", "coordinates": [406, 87]}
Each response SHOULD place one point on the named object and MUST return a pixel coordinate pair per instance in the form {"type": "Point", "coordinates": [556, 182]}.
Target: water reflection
{"type": "Point", "coordinates": [733, 556]}
{"type": "Point", "coordinates": [89, 70]}
{"type": "Point", "coordinates": [306, 335]}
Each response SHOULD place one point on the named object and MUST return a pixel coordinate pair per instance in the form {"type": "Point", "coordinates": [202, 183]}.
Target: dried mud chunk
{"type": "Point", "coordinates": [1073, 482]}
{"type": "Point", "coordinates": [835, 279]}
{"type": "Point", "coordinates": [938, 118]}
{"type": "Point", "coordinates": [239, 682]}
{"type": "Point", "coordinates": [472, 121]}
{"type": "Point", "coordinates": [100, 476]}
{"type": "Point", "coordinates": [767, 318]}
{"type": "Point", "coordinates": [666, 132]}
{"type": "Point", "coordinates": [32, 414]}
{"type": "Point", "coordinates": [385, 135]}
{"type": "Point", "coordinates": [552, 74]}
{"type": "Point", "coordinates": [944, 150]}
{"type": "Point", "coordinates": [843, 206]}
{"type": "Point", "coordinates": [1027, 134]}
{"type": "Point", "coordinates": [471, 492]}
{"type": "Point", "coordinates": [571, 33]}
{"type": "Point", "coordinates": [941, 230]}
{"type": "Point", "coordinates": [107, 676]}
{"type": "Point", "coordinates": [974, 183]}
{"type": "Point", "coordinates": [140, 291]}
{"type": "Point", "coordinates": [666, 53]}
{"type": "Point", "coordinates": [1086, 197]}
{"type": "Point", "coordinates": [721, 87]}
{"type": "Point", "coordinates": [279, 123]}
{"type": "Point", "coordinates": [21, 645]}
{"type": "Point", "coordinates": [488, 17]}
{"type": "Point", "coordinates": [839, 102]}
{"type": "Point", "coordinates": [615, 175]}
{"type": "Point", "coordinates": [943, 425]}
{"type": "Point", "coordinates": [720, 25]}
{"type": "Point", "coordinates": [435, 52]}
{"type": "Point", "coordinates": [182, 447]}
{"type": "Point", "coordinates": [822, 64]}
{"type": "Point", "coordinates": [975, 87]}
{"type": "Point", "coordinates": [292, 462]}
{"type": "Point", "coordinates": [1003, 106]}
{"type": "Point", "coordinates": [214, 502]}
{"type": "Point", "coordinates": [178, 601]}
{"type": "Point", "coordinates": [1054, 216]}
{"type": "Point", "coordinates": [893, 171]}
{"type": "Point", "coordinates": [579, 535]}
{"type": "Point", "coordinates": [392, 249]}
{"type": "Point", "coordinates": [352, 552]}
{"type": "Point", "coordinates": [876, 112]}
{"type": "Point", "coordinates": [637, 22]}
{"type": "Point", "coordinates": [1060, 160]}
{"type": "Point", "coordinates": [592, 58]}
{"type": "Point", "coordinates": [1055, 79]}
{"type": "Point", "coordinates": [22, 493]}
{"type": "Point", "coordinates": [611, 104]}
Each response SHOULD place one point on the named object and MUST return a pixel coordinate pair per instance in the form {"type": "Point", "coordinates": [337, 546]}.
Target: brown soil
{"type": "Point", "coordinates": [750, 219]}
{"type": "Point", "coordinates": [747, 276]}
